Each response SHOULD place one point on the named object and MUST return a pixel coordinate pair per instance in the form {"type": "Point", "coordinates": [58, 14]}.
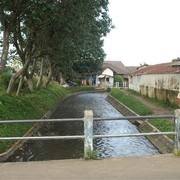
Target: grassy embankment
{"type": "Point", "coordinates": [128, 100]}
{"type": "Point", "coordinates": [29, 106]}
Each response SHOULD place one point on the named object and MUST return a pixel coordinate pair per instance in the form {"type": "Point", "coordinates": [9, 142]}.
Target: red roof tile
{"type": "Point", "coordinates": [165, 68]}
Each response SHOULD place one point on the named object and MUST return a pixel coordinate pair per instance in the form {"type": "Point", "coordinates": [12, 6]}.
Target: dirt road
{"type": "Point", "coordinates": [157, 109]}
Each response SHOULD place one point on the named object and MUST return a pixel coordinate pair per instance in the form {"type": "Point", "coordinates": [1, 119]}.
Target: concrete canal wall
{"type": "Point", "coordinates": [34, 129]}
{"type": "Point", "coordinates": [161, 142]}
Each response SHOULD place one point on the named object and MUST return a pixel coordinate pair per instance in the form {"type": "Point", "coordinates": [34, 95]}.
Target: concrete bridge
{"type": "Point", "coordinates": [165, 167]}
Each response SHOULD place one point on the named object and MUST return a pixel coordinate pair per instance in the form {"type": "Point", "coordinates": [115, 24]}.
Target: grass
{"type": "Point", "coordinates": [131, 102]}
{"type": "Point", "coordinates": [177, 153]}
{"type": "Point", "coordinates": [155, 101]}
{"type": "Point", "coordinates": [28, 106]}
{"type": "Point", "coordinates": [162, 124]}
{"type": "Point", "coordinates": [91, 154]}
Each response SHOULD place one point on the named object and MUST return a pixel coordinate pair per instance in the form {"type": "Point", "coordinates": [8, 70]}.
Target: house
{"type": "Point", "coordinates": [112, 68]}
{"type": "Point", "coordinates": [160, 81]}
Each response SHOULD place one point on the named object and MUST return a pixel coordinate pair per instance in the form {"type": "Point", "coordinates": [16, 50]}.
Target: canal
{"type": "Point", "coordinates": [73, 107]}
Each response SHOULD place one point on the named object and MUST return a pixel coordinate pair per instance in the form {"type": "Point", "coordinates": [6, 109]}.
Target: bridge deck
{"type": "Point", "coordinates": [147, 167]}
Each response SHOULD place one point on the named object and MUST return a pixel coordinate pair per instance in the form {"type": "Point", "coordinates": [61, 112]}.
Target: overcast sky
{"type": "Point", "coordinates": [146, 31]}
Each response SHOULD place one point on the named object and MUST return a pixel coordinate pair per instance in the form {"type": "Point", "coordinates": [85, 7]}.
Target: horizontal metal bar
{"type": "Point", "coordinates": [82, 136]}
{"type": "Point", "coordinates": [136, 117]}
{"type": "Point", "coordinates": [81, 119]}
{"type": "Point", "coordinates": [43, 138]}
{"type": "Point", "coordinates": [133, 135]}
{"type": "Point", "coordinates": [39, 120]}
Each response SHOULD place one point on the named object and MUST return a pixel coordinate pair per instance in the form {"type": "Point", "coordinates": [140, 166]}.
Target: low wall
{"type": "Point", "coordinates": [161, 142]}
{"type": "Point", "coordinates": [160, 94]}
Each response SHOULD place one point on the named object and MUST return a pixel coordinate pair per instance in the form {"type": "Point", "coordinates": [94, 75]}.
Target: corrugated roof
{"type": "Point", "coordinates": [164, 68]}
{"type": "Point", "coordinates": [117, 66]}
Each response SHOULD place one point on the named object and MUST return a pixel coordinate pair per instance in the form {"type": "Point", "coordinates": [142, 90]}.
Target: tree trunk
{"type": "Point", "coordinates": [61, 78]}
{"type": "Point", "coordinates": [29, 76]}
{"type": "Point", "coordinates": [20, 85]}
{"type": "Point", "coordinates": [49, 76]}
{"type": "Point", "coordinates": [17, 75]}
{"type": "Point", "coordinates": [30, 84]}
{"type": "Point", "coordinates": [40, 78]}
{"type": "Point", "coordinates": [4, 50]}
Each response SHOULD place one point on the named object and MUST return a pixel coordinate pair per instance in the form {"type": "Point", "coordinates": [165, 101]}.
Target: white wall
{"type": "Point", "coordinates": [160, 86]}
{"type": "Point", "coordinates": [108, 72]}
{"type": "Point", "coordinates": [159, 81]}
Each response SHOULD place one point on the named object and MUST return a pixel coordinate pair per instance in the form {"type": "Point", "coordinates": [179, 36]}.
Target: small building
{"type": "Point", "coordinates": [109, 70]}
{"type": "Point", "coordinates": [160, 81]}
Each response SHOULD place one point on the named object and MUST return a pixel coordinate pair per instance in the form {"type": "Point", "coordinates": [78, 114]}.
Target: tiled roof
{"type": "Point", "coordinates": [164, 68]}
{"type": "Point", "coordinates": [117, 66]}
{"type": "Point", "coordinates": [131, 69]}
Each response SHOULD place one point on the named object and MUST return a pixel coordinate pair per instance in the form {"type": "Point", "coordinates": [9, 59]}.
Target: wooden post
{"type": "Point", "coordinates": [177, 129]}
{"type": "Point", "coordinates": [88, 132]}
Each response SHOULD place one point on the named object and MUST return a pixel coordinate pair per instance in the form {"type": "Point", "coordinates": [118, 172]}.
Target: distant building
{"type": "Point", "coordinates": [112, 68]}
{"type": "Point", "coordinates": [161, 81]}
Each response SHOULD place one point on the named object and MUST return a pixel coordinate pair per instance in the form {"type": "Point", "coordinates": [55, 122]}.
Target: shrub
{"type": "Point", "coordinates": [118, 78]}
{"type": "Point", "coordinates": [4, 79]}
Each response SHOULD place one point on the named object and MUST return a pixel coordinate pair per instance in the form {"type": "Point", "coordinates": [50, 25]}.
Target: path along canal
{"type": "Point", "coordinates": [73, 107]}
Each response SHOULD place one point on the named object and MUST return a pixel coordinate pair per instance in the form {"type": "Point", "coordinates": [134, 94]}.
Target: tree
{"type": "Point", "coordinates": [118, 78]}
{"type": "Point", "coordinates": [67, 34]}
{"type": "Point", "coordinates": [9, 12]}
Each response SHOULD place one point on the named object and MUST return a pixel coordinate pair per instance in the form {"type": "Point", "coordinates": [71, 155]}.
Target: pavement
{"type": "Point", "coordinates": [154, 167]}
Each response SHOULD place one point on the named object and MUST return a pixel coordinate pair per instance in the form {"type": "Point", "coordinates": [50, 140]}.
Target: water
{"type": "Point", "coordinates": [74, 107]}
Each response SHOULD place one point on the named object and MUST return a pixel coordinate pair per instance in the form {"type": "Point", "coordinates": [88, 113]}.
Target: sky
{"type": "Point", "coordinates": [146, 31]}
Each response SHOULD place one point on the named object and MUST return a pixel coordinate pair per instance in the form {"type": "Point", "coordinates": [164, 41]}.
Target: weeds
{"type": "Point", "coordinates": [91, 154]}
{"type": "Point", "coordinates": [177, 152]}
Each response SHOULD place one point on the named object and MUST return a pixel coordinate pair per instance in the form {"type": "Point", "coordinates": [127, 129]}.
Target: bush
{"type": "Point", "coordinates": [4, 79]}
{"type": "Point", "coordinates": [78, 82]}
{"type": "Point", "coordinates": [118, 78]}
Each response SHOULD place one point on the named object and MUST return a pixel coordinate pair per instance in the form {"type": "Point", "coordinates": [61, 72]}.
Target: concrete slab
{"type": "Point", "coordinates": [156, 167]}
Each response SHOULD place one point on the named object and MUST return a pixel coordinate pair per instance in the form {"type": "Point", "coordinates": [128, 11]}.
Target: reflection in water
{"type": "Point", "coordinates": [108, 147]}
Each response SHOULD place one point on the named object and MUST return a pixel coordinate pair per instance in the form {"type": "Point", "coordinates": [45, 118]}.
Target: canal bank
{"type": "Point", "coordinates": [161, 142]}
{"type": "Point", "coordinates": [126, 109]}
{"type": "Point", "coordinates": [19, 144]}
{"type": "Point", "coordinates": [74, 107]}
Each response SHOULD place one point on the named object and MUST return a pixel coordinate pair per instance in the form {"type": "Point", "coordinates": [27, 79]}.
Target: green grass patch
{"type": "Point", "coordinates": [131, 102]}
{"type": "Point", "coordinates": [163, 125]}
{"type": "Point", "coordinates": [155, 101]}
{"type": "Point", "coordinates": [29, 106]}
{"type": "Point", "coordinates": [80, 89]}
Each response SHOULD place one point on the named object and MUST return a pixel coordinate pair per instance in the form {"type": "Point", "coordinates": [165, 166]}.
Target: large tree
{"type": "Point", "coordinates": [66, 33]}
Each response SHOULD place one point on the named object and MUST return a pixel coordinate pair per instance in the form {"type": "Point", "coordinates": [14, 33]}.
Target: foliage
{"type": "Point", "coordinates": [163, 125]}
{"type": "Point", "coordinates": [177, 153]}
{"type": "Point", "coordinates": [68, 34]}
{"type": "Point", "coordinates": [28, 106]}
{"type": "Point", "coordinates": [154, 100]}
{"type": "Point", "coordinates": [80, 89]}
{"type": "Point", "coordinates": [89, 154]}
{"type": "Point", "coordinates": [4, 79]}
{"type": "Point", "coordinates": [118, 78]}
{"type": "Point", "coordinates": [131, 102]}
{"type": "Point", "coordinates": [78, 81]}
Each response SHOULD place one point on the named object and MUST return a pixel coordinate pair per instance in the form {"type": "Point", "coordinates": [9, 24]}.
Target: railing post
{"type": "Point", "coordinates": [88, 132]}
{"type": "Point", "coordinates": [177, 129]}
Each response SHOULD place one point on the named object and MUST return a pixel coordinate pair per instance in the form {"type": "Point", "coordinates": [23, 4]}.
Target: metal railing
{"type": "Point", "coordinates": [88, 128]}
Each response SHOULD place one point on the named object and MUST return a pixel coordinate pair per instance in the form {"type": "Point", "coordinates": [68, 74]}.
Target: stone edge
{"type": "Point", "coordinates": [161, 142]}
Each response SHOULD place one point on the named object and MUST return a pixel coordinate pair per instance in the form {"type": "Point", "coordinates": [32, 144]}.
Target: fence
{"type": "Point", "coordinates": [88, 128]}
